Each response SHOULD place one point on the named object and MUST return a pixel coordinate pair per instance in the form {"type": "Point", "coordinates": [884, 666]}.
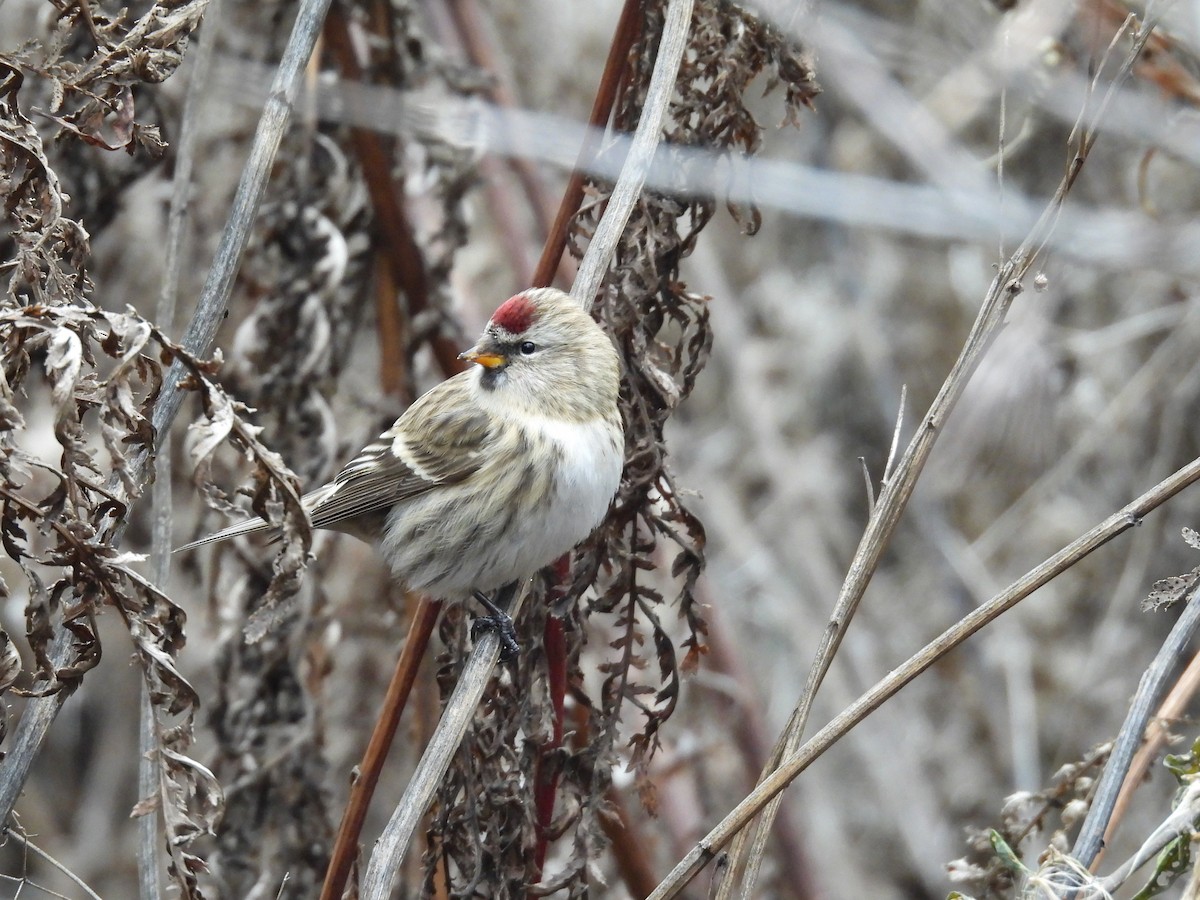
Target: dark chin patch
{"type": "Point", "coordinates": [490, 379]}
{"type": "Point", "coordinates": [515, 314]}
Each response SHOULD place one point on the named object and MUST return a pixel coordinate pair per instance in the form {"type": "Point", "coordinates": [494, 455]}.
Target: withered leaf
{"type": "Point", "coordinates": [1166, 592]}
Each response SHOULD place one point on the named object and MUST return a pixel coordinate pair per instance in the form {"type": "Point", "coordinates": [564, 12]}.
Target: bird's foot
{"type": "Point", "coordinates": [502, 625]}
{"type": "Point", "coordinates": [498, 621]}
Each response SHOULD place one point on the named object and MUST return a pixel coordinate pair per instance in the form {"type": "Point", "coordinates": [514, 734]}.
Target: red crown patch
{"type": "Point", "coordinates": [515, 314]}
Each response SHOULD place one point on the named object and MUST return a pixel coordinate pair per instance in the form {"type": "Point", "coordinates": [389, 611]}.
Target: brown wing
{"type": "Point", "coordinates": [448, 449]}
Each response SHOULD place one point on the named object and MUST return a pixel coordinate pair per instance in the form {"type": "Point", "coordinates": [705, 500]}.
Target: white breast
{"type": "Point", "coordinates": [588, 478]}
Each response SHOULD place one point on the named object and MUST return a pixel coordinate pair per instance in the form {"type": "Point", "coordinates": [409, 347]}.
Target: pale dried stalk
{"type": "Point", "coordinates": [1120, 521]}
{"type": "Point", "coordinates": [386, 859]}
{"type": "Point", "coordinates": [89, 894]}
{"type": "Point", "coordinates": [214, 298]}
{"type": "Point", "coordinates": [150, 855]}
{"type": "Point", "coordinates": [1180, 823]}
{"type": "Point", "coordinates": [897, 490]}
{"type": "Point", "coordinates": [1157, 734]}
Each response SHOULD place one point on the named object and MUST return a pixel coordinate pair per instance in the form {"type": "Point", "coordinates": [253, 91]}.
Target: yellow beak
{"type": "Point", "coordinates": [487, 360]}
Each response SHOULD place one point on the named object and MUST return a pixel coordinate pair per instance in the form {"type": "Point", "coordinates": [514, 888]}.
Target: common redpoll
{"type": "Point", "coordinates": [495, 472]}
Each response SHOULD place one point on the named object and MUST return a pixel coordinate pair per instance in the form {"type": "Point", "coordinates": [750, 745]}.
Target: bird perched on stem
{"type": "Point", "coordinates": [495, 472]}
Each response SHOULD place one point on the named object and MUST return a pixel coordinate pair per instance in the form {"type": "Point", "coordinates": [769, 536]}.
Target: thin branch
{"type": "Point", "coordinates": [38, 851]}
{"type": "Point", "coordinates": [345, 847]}
{"type": "Point", "coordinates": [214, 298]}
{"type": "Point", "coordinates": [1119, 522]}
{"type": "Point", "coordinates": [149, 845]}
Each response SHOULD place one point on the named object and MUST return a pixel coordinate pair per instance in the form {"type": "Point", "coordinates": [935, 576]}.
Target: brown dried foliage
{"type": "Point", "coordinates": [62, 519]}
{"type": "Point", "coordinates": [305, 265]}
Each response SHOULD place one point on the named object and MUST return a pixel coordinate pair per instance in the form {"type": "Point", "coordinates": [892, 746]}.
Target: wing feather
{"type": "Point", "coordinates": [391, 470]}
{"type": "Point", "coordinates": [423, 450]}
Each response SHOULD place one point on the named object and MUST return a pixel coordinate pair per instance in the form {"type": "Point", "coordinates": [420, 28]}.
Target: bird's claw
{"type": "Point", "coordinates": [501, 624]}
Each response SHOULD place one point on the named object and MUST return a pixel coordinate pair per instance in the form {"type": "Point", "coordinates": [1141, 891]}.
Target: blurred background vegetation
{"type": "Point", "coordinates": [879, 214]}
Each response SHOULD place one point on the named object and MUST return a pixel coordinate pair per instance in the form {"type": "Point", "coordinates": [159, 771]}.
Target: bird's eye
{"type": "Point", "coordinates": [528, 347]}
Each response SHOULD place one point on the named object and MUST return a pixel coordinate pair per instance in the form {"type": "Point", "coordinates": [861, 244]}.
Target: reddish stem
{"type": "Point", "coordinates": [554, 642]}
{"type": "Point", "coordinates": [401, 253]}
{"type": "Point", "coordinates": [628, 28]}
{"type": "Point", "coordinates": [345, 847]}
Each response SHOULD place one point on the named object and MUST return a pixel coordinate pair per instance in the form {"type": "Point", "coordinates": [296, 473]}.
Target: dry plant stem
{"type": "Point", "coordinates": [898, 489]}
{"type": "Point", "coordinates": [618, 54]}
{"type": "Point", "coordinates": [646, 139]}
{"type": "Point", "coordinates": [388, 855]}
{"type": "Point", "coordinates": [794, 764]}
{"type": "Point", "coordinates": [394, 377]}
{"type": "Point", "coordinates": [150, 848]}
{"type": "Point", "coordinates": [210, 310]}
{"type": "Point", "coordinates": [881, 524]}
{"type": "Point", "coordinates": [1179, 824]}
{"type": "Point", "coordinates": [1156, 736]}
{"type": "Point", "coordinates": [214, 298]}
{"type": "Point", "coordinates": [345, 847]}
{"type": "Point", "coordinates": [1153, 680]}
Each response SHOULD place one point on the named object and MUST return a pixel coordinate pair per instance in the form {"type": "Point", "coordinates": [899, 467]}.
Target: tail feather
{"type": "Point", "coordinates": [250, 526]}
{"type": "Point", "coordinates": [310, 501]}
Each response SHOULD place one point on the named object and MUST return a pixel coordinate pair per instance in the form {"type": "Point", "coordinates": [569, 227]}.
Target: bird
{"type": "Point", "coordinates": [495, 472]}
